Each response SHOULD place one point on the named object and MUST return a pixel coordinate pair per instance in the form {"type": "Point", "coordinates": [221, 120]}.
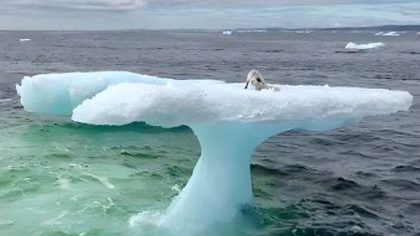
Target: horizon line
{"type": "Point", "coordinates": [228, 28]}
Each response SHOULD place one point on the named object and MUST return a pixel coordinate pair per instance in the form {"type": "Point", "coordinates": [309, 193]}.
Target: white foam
{"type": "Point", "coordinates": [229, 122]}
{"type": "Point", "coordinates": [353, 46]}
{"type": "Point", "coordinates": [102, 180]}
{"type": "Point", "coordinates": [5, 100]}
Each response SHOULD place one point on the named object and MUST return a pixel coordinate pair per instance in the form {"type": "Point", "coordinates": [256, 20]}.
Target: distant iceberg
{"type": "Point", "coordinates": [229, 122]}
{"type": "Point", "coordinates": [357, 47]}
{"type": "Point", "coordinates": [24, 40]}
{"type": "Point", "coordinates": [227, 32]}
{"type": "Point", "coordinates": [251, 31]}
{"type": "Point", "coordinates": [303, 31]}
{"type": "Point", "coordinates": [392, 33]}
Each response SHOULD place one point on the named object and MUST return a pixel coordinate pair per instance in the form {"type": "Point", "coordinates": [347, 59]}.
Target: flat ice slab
{"type": "Point", "coordinates": [356, 47]}
{"type": "Point", "coordinates": [392, 33]}
{"type": "Point", "coordinates": [119, 98]}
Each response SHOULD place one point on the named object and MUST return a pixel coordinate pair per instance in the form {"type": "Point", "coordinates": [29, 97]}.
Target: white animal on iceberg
{"type": "Point", "coordinates": [255, 78]}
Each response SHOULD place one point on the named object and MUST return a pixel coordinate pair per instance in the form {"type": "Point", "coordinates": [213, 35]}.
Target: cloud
{"type": "Point", "coordinates": [114, 5]}
{"type": "Point", "coordinates": [168, 14]}
{"type": "Point", "coordinates": [130, 5]}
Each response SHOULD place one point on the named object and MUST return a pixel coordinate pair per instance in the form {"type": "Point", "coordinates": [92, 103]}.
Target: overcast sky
{"type": "Point", "coordinates": [161, 14]}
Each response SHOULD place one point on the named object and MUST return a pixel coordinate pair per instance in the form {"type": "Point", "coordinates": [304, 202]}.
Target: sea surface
{"type": "Point", "coordinates": [58, 177]}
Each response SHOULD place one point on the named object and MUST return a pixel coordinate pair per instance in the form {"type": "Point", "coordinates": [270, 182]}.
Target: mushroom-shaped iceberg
{"type": "Point", "coordinates": [229, 122]}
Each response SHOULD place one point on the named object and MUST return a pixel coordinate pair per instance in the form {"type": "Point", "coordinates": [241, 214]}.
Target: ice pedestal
{"type": "Point", "coordinates": [221, 182]}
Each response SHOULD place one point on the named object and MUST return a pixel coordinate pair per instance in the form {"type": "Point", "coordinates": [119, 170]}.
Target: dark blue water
{"type": "Point", "coordinates": [362, 179]}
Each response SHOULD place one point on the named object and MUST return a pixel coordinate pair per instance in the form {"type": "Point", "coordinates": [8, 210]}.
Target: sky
{"type": "Point", "coordinates": [209, 14]}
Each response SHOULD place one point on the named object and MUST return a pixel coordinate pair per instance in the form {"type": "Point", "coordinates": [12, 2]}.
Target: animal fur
{"type": "Point", "coordinates": [256, 79]}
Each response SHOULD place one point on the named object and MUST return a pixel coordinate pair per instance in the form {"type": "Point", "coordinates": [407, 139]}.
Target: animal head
{"type": "Point", "coordinates": [255, 78]}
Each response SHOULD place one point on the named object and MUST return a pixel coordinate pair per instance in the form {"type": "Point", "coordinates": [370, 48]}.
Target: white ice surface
{"type": "Point", "coordinates": [170, 105]}
{"type": "Point", "coordinates": [59, 94]}
{"type": "Point", "coordinates": [392, 33]}
{"type": "Point", "coordinates": [227, 32]}
{"type": "Point", "coordinates": [353, 46]}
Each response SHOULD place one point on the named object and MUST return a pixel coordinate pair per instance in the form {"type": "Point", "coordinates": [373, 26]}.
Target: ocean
{"type": "Point", "coordinates": [58, 177]}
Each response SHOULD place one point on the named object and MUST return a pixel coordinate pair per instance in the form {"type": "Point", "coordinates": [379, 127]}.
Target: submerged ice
{"type": "Point", "coordinates": [229, 122]}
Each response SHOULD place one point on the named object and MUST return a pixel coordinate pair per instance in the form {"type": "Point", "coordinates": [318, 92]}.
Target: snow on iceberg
{"type": "Point", "coordinates": [357, 47]}
{"type": "Point", "coordinates": [171, 106]}
{"type": "Point", "coordinates": [59, 94]}
{"type": "Point", "coordinates": [229, 122]}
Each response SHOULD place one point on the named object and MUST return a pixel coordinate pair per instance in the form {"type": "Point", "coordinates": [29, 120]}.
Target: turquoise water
{"type": "Point", "coordinates": [62, 178]}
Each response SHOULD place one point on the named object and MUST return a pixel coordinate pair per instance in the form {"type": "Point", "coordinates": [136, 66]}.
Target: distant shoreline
{"type": "Point", "coordinates": [267, 29]}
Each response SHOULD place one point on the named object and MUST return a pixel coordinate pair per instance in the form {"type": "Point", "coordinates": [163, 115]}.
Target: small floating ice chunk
{"type": "Point", "coordinates": [303, 32]}
{"type": "Point", "coordinates": [357, 47]}
{"type": "Point", "coordinates": [252, 31]}
{"type": "Point", "coordinates": [24, 40]}
{"type": "Point", "coordinates": [391, 33]}
{"type": "Point", "coordinates": [227, 32]}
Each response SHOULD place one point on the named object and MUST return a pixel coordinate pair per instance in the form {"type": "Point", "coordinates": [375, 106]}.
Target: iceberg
{"type": "Point", "coordinates": [24, 40]}
{"type": "Point", "coordinates": [303, 31]}
{"type": "Point", "coordinates": [392, 33]}
{"type": "Point", "coordinates": [361, 47]}
{"type": "Point", "coordinates": [227, 32]}
{"type": "Point", "coordinates": [229, 122]}
{"type": "Point", "coordinates": [251, 31]}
